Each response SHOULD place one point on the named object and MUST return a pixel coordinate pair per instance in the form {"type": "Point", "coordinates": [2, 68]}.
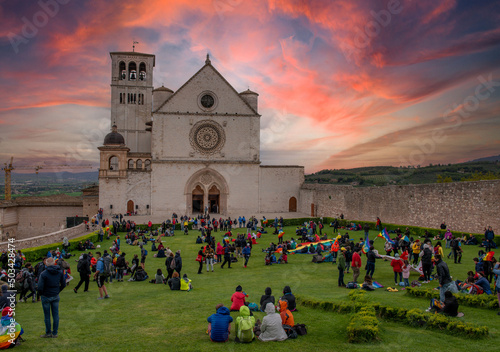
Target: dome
{"type": "Point", "coordinates": [163, 89]}
{"type": "Point", "coordinates": [114, 137]}
{"type": "Point", "coordinates": [248, 91]}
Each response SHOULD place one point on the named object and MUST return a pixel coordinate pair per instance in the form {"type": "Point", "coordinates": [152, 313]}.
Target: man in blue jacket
{"type": "Point", "coordinates": [219, 324]}
{"type": "Point", "coordinates": [246, 253]}
{"type": "Point", "coordinates": [51, 282]}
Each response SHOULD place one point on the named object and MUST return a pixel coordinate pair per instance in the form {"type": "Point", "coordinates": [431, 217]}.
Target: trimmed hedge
{"type": "Point", "coordinates": [363, 326]}
{"type": "Point", "coordinates": [37, 253]}
{"type": "Point", "coordinates": [477, 301]}
{"type": "Point", "coordinates": [412, 317]}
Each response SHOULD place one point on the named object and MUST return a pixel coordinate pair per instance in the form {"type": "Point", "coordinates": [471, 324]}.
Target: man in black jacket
{"type": "Point", "coordinates": [50, 284]}
{"type": "Point", "coordinates": [83, 268]}
{"type": "Point", "coordinates": [445, 281]}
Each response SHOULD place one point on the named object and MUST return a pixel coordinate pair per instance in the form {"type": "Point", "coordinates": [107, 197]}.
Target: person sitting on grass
{"type": "Point", "coordinates": [449, 307]}
{"type": "Point", "coordinates": [175, 283]}
{"type": "Point", "coordinates": [186, 283]}
{"type": "Point", "coordinates": [483, 283]}
{"type": "Point", "coordinates": [244, 326]}
{"type": "Point", "coordinates": [159, 278]}
{"type": "Point", "coordinates": [286, 315]}
{"type": "Point", "coordinates": [219, 324]}
{"type": "Point", "coordinates": [266, 298]}
{"type": "Point", "coordinates": [238, 299]}
{"type": "Point", "coordinates": [271, 328]}
{"type": "Point", "coordinates": [368, 284]}
{"type": "Point", "coordinates": [290, 298]}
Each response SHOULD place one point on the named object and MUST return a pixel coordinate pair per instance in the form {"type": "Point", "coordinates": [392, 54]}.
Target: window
{"type": "Point", "coordinates": [147, 164]}
{"type": "Point", "coordinates": [132, 71]}
{"type": "Point", "coordinates": [139, 164]}
{"type": "Point", "coordinates": [122, 70]}
{"type": "Point", "coordinates": [142, 71]}
{"type": "Point", "coordinates": [113, 163]}
{"type": "Point", "coordinates": [121, 98]}
{"type": "Point", "coordinates": [131, 164]}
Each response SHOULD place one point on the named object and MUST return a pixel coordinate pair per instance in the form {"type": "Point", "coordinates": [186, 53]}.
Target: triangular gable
{"type": "Point", "coordinates": [206, 79]}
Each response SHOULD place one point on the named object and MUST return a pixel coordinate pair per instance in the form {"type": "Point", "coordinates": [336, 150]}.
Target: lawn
{"type": "Point", "coordinates": [142, 316]}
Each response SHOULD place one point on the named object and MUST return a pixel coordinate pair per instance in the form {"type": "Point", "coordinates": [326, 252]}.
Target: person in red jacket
{"type": "Point", "coordinates": [356, 265]}
{"type": "Point", "coordinates": [397, 267]}
{"type": "Point", "coordinates": [238, 299]}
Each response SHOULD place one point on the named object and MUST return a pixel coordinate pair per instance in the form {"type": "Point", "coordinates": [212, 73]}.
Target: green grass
{"type": "Point", "coordinates": [142, 316]}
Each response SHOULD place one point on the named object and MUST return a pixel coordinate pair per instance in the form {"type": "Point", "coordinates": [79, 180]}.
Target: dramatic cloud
{"type": "Point", "coordinates": [341, 83]}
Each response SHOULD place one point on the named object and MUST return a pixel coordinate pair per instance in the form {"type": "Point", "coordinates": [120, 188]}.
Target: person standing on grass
{"type": "Point", "coordinates": [246, 253]}
{"type": "Point", "coordinates": [50, 284]}
{"type": "Point", "coordinates": [178, 262]}
{"type": "Point", "coordinates": [341, 267]}
{"type": "Point", "coordinates": [144, 253]}
{"type": "Point", "coordinates": [103, 268]}
{"type": "Point", "coordinates": [416, 251]}
{"type": "Point", "coordinates": [227, 257]}
{"type": "Point", "coordinates": [426, 255]}
{"type": "Point", "coordinates": [170, 266]}
{"type": "Point", "coordinates": [445, 281]}
{"type": "Point", "coordinates": [356, 264]}
{"type": "Point", "coordinates": [371, 256]}
{"type": "Point", "coordinates": [397, 267]}
{"type": "Point", "coordinates": [200, 260]}
{"type": "Point", "coordinates": [83, 268]}
{"type": "Point", "coordinates": [209, 257]}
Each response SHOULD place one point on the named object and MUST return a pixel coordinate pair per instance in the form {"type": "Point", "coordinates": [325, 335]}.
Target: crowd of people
{"type": "Point", "coordinates": [225, 241]}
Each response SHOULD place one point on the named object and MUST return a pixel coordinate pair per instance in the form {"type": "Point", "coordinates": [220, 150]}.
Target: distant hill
{"type": "Point", "coordinates": [63, 176]}
{"type": "Point", "coordinates": [389, 175]}
{"type": "Point", "coordinates": [488, 158]}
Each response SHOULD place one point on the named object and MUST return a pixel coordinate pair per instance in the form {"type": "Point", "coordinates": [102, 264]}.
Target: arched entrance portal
{"type": "Point", "coordinates": [292, 205]}
{"type": "Point", "coordinates": [197, 200]}
{"type": "Point", "coordinates": [213, 199]}
{"type": "Point", "coordinates": [130, 207]}
{"type": "Point", "coordinates": [206, 191]}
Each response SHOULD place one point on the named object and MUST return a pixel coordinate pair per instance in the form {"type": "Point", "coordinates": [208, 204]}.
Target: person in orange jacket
{"type": "Point", "coordinates": [286, 315]}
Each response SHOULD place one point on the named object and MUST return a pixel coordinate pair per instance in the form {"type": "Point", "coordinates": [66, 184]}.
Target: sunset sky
{"type": "Point", "coordinates": [342, 83]}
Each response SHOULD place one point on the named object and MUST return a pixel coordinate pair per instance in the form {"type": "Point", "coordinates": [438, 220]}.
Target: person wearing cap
{"type": "Point", "coordinates": [341, 266]}
{"type": "Point", "coordinates": [50, 284]}
{"type": "Point", "coordinates": [397, 267]}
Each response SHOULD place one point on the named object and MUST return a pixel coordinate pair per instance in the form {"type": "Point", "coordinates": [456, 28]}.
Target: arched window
{"type": "Point", "coordinates": [113, 163]}
{"type": "Point", "coordinates": [122, 70]}
{"type": "Point", "coordinates": [139, 164]}
{"type": "Point", "coordinates": [132, 71]}
{"type": "Point", "coordinates": [147, 164]}
{"type": "Point", "coordinates": [142, 71]}
{"type": "Point", "coordinates": [131, 164]}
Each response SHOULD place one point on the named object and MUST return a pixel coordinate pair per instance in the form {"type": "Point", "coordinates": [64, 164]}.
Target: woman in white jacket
{"type": "Point", "coordinates": [271, 329]}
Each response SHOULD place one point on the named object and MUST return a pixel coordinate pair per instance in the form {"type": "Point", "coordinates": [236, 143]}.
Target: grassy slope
{"type": "Point", "coordinates": [142, 316]}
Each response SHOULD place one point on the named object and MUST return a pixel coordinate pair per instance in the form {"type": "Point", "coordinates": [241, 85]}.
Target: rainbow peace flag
{"type": "Point", "coordinates": [488, 256]}
{"type": "Point", "coordinates": [385, 236]}
{"type": "Point", "coordinates": [366, 247]}
{"type": "Point", "coordinates": [405, 238]}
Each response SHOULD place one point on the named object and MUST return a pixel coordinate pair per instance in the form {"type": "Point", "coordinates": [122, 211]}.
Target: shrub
{"type": "Point", "coordinates": [363, 326]}
{"type": "Point", "coordinates": [413, 317]}
{"type": "Point", "coordinates": [37, 253]}
{"type": "Point", "coordinates": [479, 301]}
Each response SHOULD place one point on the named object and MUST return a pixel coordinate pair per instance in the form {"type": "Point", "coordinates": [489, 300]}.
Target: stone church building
{"type": "Point", "coordinates": [187, 151]}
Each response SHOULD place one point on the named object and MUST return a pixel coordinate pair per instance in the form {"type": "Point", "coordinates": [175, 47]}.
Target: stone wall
{"type": "Point", "coordinates": [464, 206]}
{"type": "Point", "coordinates": [50, 238]}
{"type": "Point", "coordinates": [277, 185]}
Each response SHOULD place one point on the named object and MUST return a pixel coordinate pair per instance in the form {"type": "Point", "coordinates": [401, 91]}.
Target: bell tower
{"type": "Point", "coordinates": [131, 97]}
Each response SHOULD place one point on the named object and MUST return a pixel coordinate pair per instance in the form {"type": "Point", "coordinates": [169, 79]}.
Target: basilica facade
{"type": "Point", "coordinates": [189, 151]}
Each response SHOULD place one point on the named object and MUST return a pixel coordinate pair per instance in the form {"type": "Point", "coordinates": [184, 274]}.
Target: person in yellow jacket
{"type": "Point", "coordinates": [186, 283]}
{"type": "Point", "coordinates": [245, 324]}
{"type": "Point", "coordinates": [416, 251]}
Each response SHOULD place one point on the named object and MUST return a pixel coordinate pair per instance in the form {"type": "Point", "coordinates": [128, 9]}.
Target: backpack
{"type": "Point", "coordinates": [290, 332]}
{"type": "Point", "coordinates": [172, 264]}
{"type": "Point", "coordinates": [80, 264]}
{"type": "Point", "coordinates": [120, 262]}
{"type": "Point", "coordinates": [352, 285]}
{"type": "Point", "coordinates": [145, 252]}
{"type": "Point", "coordinates": [20, 277]}
{"type": "Point", "coordinates": [106, 269]}
{"type": "Point", "coordinates": [253, 307]}
{"type": "Point", "coordinates": [245, 333]}
{"type": "Point", "coordinates": [301, 329]}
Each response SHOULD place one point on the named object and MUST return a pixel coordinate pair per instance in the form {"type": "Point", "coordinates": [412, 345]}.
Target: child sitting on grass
{"type": "Point", "coordinates": [159, 278]}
